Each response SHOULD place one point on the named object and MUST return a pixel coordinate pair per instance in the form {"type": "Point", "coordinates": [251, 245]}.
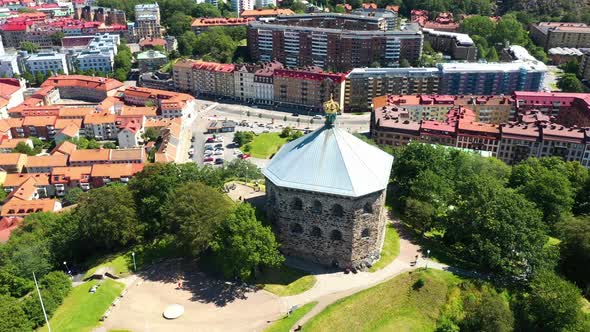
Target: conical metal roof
{"type": "Point", "coordinates": [330, 160]}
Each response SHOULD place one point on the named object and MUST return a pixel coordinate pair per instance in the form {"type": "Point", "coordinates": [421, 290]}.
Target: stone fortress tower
{"type": "Point", "coordinates": [325, 193]}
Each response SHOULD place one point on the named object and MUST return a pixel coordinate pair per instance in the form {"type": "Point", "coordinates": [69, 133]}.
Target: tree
{"type": "Point", "coordinates": [56, 38]}
{"type": "Point", "coordinates": [489, 312]}
{"type": "Point", "coordinates": [492, 55]}
{"type": "Point", "coordinates": [242, 244]}
{"type": "Point", "coordinates": [109, 145]}
{"type": "Point", "coordinates": [497, 228]}
{"type": "Point", "coordinates": [508, 29]}
{"type": "Point", "coordinates": [72, 195]}
{"type": "Point", "coordinates": [32, 307]}
{"type": "Point", "coordinates": [571, 67]}
{"type": "Point", "coordinates": [12, 316]}
{"type": "Point", "coordinates": [28, 46]}
{"type": "Point", "coordinates": [23, 147]}
{"type": "Point", "coordinates": [13, 285]}
{"type": "Point", "coordinates": [186, 43]}
{"type": "Point", "coordinates": [298, 7]}
{"type": "Point", "coordinates": [478, 25]}
{"type": "Point", "coordinates": [575, 250]}
{"type": "Point", "coordinates": [205, 10]}
{"type": "Point", "coordinates": [242, 138]}
{"type": "Point", "coordinates": [39, 78]}
{"type": "Point", "coordinates": [570, 83]}
{"type": "Point", "coordinates": [242, 169]}
{"type": "Point", "coordinates": [179, 23]}
{"type": "Point", "coordinates": [552, 304]}
{"type": "Point", "coordinates": [419, 214]}
{"type": "Point", "coordinates": [194, 212]}
{"type": "Point", "coordinates": [93, 144]}
{"type": "Point", "coordinates": [404, 63]}
{"type": "Point", "coordinates": [150, 134]}
{"type": "Point", "coordinates": [107, 217]}
{"type": "Point", "coordinates": [58, 283]}
{"type": "Point", "coordinates": [548, 187]}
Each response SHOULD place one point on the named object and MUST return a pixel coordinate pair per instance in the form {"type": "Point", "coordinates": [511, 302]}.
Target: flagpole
{"type": "Point", "coordinates": [41, 300]}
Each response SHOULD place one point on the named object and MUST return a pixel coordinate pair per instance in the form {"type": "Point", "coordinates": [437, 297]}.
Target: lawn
{"type": "Point", "coordinates": [391, 306]}
{"type": "Point", "coordinates": [390, 249]}
{"type": "Point", "coordinates": [264, 145]}
{"type": "Point", "coordinates": [82, 310]}
{"type": "Point", "coordinates": [286, 323]}
{"type": "Point", "coordinates": [285, 281]}
{"type": "Point", "coordinates": [121, 265]}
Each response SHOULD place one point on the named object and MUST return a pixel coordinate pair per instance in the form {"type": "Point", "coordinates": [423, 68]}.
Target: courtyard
{"type": "Point", "coordinates": [210, 305]}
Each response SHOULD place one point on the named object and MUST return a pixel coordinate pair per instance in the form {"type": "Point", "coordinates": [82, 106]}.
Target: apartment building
{"type": "Point", "coordinates": [101, 126]}
{"type": "Point", "coordinates": [533, 135]}
{"type": "Point", "coordinates": [491, 78]}
{"type": "Point", "coordinates": [45, 62]}
{"type": "Point", "coordinates": [182, 74]}
{"type": "Point", "coordinates": [213, 79]}
{"type": "Point", "coordinates": [266, 13]}
{"type": "Point", "coordinates": [487, 109]}
{"type": "Point", "coordinates": [560, 34]}
{"type": "Point", "coordinates": [42, 127]}
{"type": "Point", "coordinates": [103, 174]}
{"type": "Point", "coordinates": [108, 16]}
{"type": "Point", "coordinates": [241, 5]}
{"type": "Point", "coordinates": [151, 60]}
{"type": "Point", "coordinates": [457, 45]}
{"type": "Point", "coordinates": [333, 49]}
{"type": "Point", "coordinates": [307, 89]}
{"type": "Point", "coordinates": [66, 178]}
{"type": "Point", "coordinates": [203, 24]}
{"type": "Point", "coordinates": [45, 164]}
{"type": "Point", "coordinates": [86, 88]}
{"type": "Point", "coordinates": [364, 84]}
{"type": "Point", "coordinates": [13, 162]}
{"type": "Point", "coordinates": [360, 21]}
{"type": "Point", "coordinates": [170, 104]}
{"type": "Point", "coordinates": [390, 16]}
{"type": "Point", "coordinates": [147, 21]}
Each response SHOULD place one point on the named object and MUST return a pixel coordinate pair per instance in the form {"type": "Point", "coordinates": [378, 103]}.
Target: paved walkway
{"type": "Point", "coordinates": [331, 287]}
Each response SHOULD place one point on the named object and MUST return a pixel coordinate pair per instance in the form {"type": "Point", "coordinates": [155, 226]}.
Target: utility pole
{"type": "Point", "coordinates": [42, 305]}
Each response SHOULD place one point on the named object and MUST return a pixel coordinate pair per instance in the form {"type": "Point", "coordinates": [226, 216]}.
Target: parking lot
{"type": "Point", "coordinates": [230, 151]}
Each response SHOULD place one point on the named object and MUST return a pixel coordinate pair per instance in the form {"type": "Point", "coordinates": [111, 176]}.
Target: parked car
{"type": "Point", "coordinates": [208, 152]}
{"type": "Point", "coordinates": [219, 146]}
{"type": "Point", "coordinates": [237, 152]}
{"type": "Point", "coordinates": [218, 152]}
{"type": "Point", "coordinates": [219, 161]}
{"type": "Point", "coordinates": [191, 151]}
{"type": "Point", "coordinates": [244, 156]}
{"type": "Point", "coordinates": [208, 159]}
{"type": "Point", "coordinates": [210, 140]}
{"type": "Point", "coordinates": [269, 126]}
{"type": "Point", "coordinates": [218, 139]}
{"type": "Point", "coordinates": [192, 138]}
{"type": "Point", "coordinates": [295, 114]}
{"type": "Point", "coordinates": [209, 147]}
{"type": "Point", "coordinates": [318, 117]}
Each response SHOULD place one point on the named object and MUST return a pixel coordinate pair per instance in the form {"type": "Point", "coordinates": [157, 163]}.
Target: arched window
{"type": "Point", "coordinates": [297, 204]}
{"type": "Point", "coordinates": [336, 235]}
{"type": "Point", "coordinates": [337, 210]}
{"type": "Point", "coordinates": [296, 228]}
{"type": "Point", "coordinates": [317, 207]}
{"type": "Point", "coordinates": [368, 208]}
{"type": "Point", "coordinates": [365, 233]}
{"type": "Point", "coordinates": [316, 232]}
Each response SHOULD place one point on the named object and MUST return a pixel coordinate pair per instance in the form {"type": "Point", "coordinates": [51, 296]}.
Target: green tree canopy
{"type": "Point", "coordinates": [23, 147]}
{"type": "Point", "coordinates": [12, 316]}
{"type": "Point", "coordinates": [194, 212]}
{"type": "Point", "coordinates": [108, 218]}
{"type": "Point", "coordinates": [570, 83]}
{"type": "Point", "coordinates": [242, 244]}
{"type": "Point", "coordinates": [72, 195]}
{"type": "Point", "coordinates": [575, 250]}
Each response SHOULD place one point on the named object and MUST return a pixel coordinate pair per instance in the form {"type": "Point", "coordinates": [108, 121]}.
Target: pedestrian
{"type": "Point", "coordinates": [240, 198]}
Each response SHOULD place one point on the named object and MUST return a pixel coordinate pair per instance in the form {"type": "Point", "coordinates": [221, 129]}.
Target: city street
{"type": "Point", "coordinates": [211, 111]}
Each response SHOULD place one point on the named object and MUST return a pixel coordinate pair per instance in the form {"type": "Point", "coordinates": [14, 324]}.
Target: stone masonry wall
{"type": "Point", "coordinates": [327, 229]}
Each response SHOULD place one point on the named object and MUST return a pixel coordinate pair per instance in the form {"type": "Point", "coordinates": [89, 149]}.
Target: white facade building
{"type": "Point", "coordinates": [8, 63]}
{"type": "Point", "coordinates": [241, 5]}
{"type": "Point", "coordinates": [46, 62]}
{"type": "Point", "coordinates": [265, 3]}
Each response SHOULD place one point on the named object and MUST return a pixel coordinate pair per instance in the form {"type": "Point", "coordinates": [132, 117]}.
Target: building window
{"type": "Point", "coordinates": [336, 235]}
{"type": "Point", "coordinates": [368, 208]}
{"type": "Point", "coordinates": [365, 233]}
{"type": "Point", "coordinates": [296, 228]}
{"type": "Point", "coordinates": [316, 232]}
{"type": "Point", "coordinates": [297, 204]}
{"type": "Point", "coordinates": [337, 210]}
{"type": "Point", "coordinates": [317, 207]}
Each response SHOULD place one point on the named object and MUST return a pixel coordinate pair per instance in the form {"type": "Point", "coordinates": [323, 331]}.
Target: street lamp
{"type": "Point", "coordinates": [67, 269]}
{"type": "Point", "coordinates": [427, 254]}
{"type": "Point", "coordinates": [134, 266]}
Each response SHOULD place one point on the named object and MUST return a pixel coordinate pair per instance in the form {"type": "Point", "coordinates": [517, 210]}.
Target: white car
{"type": "Point", "coordinates": [191, 151]}
{"type": "Point", "coordinates": [318, 117]}
{"type": "Point", "coordinates": [208, 153]}
{"type": "Point", "coordinates": [218, 152]}
{"type": "Point", "coordinates": [237, 152]}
